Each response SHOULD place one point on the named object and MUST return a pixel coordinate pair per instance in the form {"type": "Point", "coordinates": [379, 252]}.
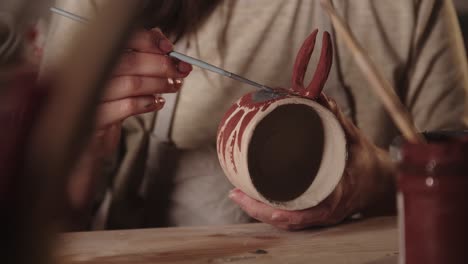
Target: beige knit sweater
{"type": "Point", "coordinates": [416, 43]}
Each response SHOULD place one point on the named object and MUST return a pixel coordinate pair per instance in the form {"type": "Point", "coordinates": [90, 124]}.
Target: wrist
{"type": "Point", "coordinates": [382, 194]}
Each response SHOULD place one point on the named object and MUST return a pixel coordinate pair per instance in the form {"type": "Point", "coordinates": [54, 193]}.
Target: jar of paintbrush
{"type": "Point", "coordinates": [433, 198]}
{"type": "Point", "coordinates": [432, 175]}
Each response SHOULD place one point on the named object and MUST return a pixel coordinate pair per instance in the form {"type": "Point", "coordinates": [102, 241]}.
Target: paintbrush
{"type": "Point", "coordinates": [180, 56]}
{"type": "Point", "coordinates": [381, 86]}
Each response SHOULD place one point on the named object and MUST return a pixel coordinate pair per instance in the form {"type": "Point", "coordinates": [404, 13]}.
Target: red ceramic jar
{"type": "Point", "coordinates": [433, 200]}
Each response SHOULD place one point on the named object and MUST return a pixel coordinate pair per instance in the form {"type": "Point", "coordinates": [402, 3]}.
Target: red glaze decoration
{"type": "Point", "coordinates": [248, 117]}
{"type": "Point", "coordinates": [229, 128]}
{"type": "Point", "coordinates": [323, 68]}
{"type": "Point", "coordinates": [249, 107]}
{"type": "Point", "coordinates": [242, 111]}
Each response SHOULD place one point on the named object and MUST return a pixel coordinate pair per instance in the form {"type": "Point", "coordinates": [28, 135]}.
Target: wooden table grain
{"type": "Point", "coordinates": [372, 241]}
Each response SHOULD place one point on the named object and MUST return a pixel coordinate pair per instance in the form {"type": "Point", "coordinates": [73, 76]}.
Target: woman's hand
{"type": "Point", "coordinates": [367, 186]}
{"type": "Point", "coordinates": [143, 72]}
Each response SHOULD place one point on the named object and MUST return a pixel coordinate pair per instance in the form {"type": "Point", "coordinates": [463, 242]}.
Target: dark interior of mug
{"type": "Point", "coordinates": [285, 152]}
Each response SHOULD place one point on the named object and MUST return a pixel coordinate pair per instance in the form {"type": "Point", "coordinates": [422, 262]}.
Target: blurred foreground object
{"type": "Point", "coordinates": [10, 41]}
{"type": "Point", "coordinates": [461, 6]}
{"type": "Point", "coordinates": [45, 125]}
{"type": "Point", "coordinates": [21, 100]}
{"type": "Point", "coordinates": [17, 17]}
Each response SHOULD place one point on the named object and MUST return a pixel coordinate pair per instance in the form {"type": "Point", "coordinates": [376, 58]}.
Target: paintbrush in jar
{"type": "Point", "coordinates": [179, 56]}
{"type": "Point", "coordinates": [381, 86]}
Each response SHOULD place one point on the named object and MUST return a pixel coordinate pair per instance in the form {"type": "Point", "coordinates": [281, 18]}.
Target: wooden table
{"type": "Point", "coordinates": [372, 241]}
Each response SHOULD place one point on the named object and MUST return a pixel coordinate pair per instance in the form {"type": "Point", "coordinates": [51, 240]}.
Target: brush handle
{"type": "Point", "coordinates": [381, 86]}
{"type": "Point", "coordinates": [215, 69]}
{"type": "Point", "coordinates": [199, 63]}
{"type": "Point", "coordinates": [69, 15]}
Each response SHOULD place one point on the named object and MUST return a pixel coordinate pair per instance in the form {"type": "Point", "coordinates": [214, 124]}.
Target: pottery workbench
{"type": "Point", "coordinates": [372, 241]}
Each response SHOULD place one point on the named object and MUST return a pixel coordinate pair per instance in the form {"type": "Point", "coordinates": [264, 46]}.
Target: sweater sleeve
{"type": "Point", "coordinates": [437, 72]}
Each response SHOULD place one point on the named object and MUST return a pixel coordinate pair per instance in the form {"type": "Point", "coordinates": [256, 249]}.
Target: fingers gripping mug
{"type": "Point", "coordinates": [284, 148]}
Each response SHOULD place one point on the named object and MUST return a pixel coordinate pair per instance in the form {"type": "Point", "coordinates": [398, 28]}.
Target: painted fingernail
{"type": "Point", "coordinates": [279, 218]}
{"type": "Point", "coordinates": [184, 67]}
{"type": "Point", "coordinates": [178, 83]}
{"type": "Point", "coordinates": [165, 45]}
{"type": "Point", "coordinates": [160, 101]}
{"type": "Point", "coordinates": [175, 84]}
{"type": "Point", "coordinates": [234, 194]}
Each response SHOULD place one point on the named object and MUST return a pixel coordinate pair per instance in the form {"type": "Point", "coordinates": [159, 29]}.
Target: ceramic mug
{"type": "Point", "coordinates": [283, 147]}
